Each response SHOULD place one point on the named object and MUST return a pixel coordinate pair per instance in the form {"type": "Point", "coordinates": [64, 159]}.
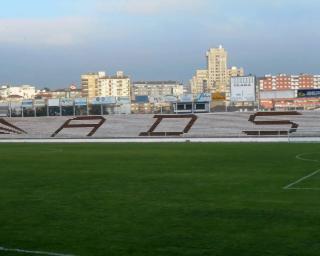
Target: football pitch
{"type": "Point", "coordinates": [159, 199]}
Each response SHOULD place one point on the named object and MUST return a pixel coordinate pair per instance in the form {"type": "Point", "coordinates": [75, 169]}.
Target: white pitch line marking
{"type": "Point", "coordinates": [304, 188]}
{"type": "Point", "coordinates": [300, 157]}
{"type": "Point", "coordinates": [302, 179]}
{"type": "Point", "coordinates": [33, 252]}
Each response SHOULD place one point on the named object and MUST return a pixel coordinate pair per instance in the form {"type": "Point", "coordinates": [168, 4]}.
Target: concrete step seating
{"type": "Point", "coordinates": [201, 125]}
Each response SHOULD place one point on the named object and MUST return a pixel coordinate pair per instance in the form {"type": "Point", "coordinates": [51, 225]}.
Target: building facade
{"type": "Point", "coordinates": [217, 59]}
{"type": "Point", "coordinates": [289, 82]}
{"type": "Point", "coordinates": [235, 71]}
{"type": "Point", "coordinates": [117, 86]}
{"type": "Point", "coordinates": [157, 88]}
{"type": "Point", "coordinates": [24, 91]}
{"type": "Point", "coordinates": [216, 78]}
{"type": "Point", "coordinates": [199, 83]}
{"type": "Point", "coordinates": [99, 84]}
{"type": "Point", "coordinates": [281, 91]}
{"type": "Point", "coordinates": [89, 84]}
{"type": "Point", "coordinates": [59, 94]}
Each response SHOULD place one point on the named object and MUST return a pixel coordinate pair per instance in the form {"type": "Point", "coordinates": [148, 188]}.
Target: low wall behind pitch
{"type": "Point", "coordinates": [133, 126]}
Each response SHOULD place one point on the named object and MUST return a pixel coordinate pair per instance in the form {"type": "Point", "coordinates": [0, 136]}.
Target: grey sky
{"type": "Point", "coordinates": [50, 43]}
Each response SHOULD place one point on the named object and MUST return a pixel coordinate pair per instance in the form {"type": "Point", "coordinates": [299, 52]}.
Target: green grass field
{"type": "Point", "coordinates": [159, 199]}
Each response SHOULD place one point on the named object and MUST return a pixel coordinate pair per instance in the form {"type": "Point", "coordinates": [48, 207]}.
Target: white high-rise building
{"type": "Point", "coordinates": [100, 84]}
{"type": "Point", "coordinates": [216, 78]}
{"type": "Point", "coordinates": [217, 63]}
{"type": "Point", "coordinates": [117, 86]}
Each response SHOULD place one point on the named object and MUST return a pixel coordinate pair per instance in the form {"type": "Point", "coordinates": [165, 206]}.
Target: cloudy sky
{"type": "Point", "coordinates": [51, 42]}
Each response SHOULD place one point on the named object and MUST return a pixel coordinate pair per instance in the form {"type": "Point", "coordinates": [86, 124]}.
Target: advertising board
{"type": "Point", "coordinates": [309, 93]}
{"type": "Point", "coordinates": [103, 100]}
{"type": "Point", "coordinates": [203, 97]}
{"type": "Point", "coordinates": [123, 100]}
{"type": "Point", "coordinates": [283, 94]}
{"type": "Point", "coordinates": [39, 103]}
{"type": "Point", "coordinates": [53, 102]}
{"type": "Point", "coordinates": [27, 103]}
{"type": "Point", "coordinates": [170, 98]}
{"type": "Point", "coordinates": [66, 102]}
{"type": "Point", "coordinates": [243, 89]}
{"type": "Point", "coordinates": [80, 102]}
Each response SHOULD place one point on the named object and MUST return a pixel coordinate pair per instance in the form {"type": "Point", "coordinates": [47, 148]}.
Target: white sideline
{"type": "Point", "coordinates": [165, 140]}
{"type": "Point", "coordinates": [300, 157]}
{"type": "Point", "coordinates": [147, 140]}
{"type": "Point", "coordinates": [304, 188]}
{"type": "Point", "coordinates": [302, 179]}
{"type": "Point", "coordinates": [33, 252]}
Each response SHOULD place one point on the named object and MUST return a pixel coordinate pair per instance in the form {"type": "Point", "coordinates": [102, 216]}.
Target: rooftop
{"type": "Point", "coordinates": [158, 82]}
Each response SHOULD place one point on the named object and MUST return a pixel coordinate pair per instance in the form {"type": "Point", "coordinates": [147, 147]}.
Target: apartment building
{"type": "Point", "coordinates": [117, 86]}
{"type": "Point", "coordinates": [89, 84]}
{"type": "Point", "coordinates": [289, 82]}
{"type": "Point", "coordinates": [282, 91]}
{"type": "Point", "coordinates": [216, 77]}
{"type": "Point", "coordinates": [217, 59]}
{"type": "Point", "coordinates": [100, 84]}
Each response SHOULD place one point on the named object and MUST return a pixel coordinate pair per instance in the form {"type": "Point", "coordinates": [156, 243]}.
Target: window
{"type": "Point", "coordinates": [180, 107]}
{"type": "Point", "coordinates": [188, 106]}
{"type": "Point", "coordinates": [201, 106]}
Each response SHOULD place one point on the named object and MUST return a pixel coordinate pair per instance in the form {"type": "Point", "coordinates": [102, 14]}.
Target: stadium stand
{"type": "Point", "coordinates": [240, 124]}
{"type": "Point", "coordinates": [160, 118]}
{"type": "Point", "coordinates": [8, 128]}
{"type": "Point", "coordinates": [70, 125]}
{"type": "Point", "coordinates": [253, 117]}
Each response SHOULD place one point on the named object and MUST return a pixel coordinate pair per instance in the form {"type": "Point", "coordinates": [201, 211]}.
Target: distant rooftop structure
{"type": "Point", "coordinates": [157, 82]}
